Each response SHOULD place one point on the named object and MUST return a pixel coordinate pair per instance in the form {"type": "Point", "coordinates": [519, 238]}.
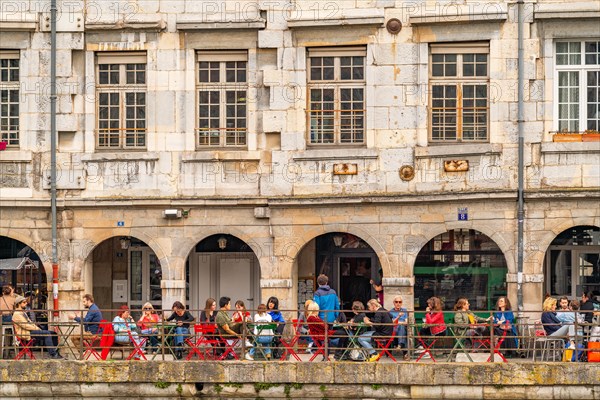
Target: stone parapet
{"type": "Point", "coordinates": [300, 380]}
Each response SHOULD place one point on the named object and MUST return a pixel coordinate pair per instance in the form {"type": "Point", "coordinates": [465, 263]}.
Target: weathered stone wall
{"type": "Point", "coordinates": [300, 380]}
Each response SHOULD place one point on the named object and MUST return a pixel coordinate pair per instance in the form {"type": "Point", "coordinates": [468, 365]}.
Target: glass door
{"type": "Point", "coordinates": [588, 268]}
{"type": "Point", "coordinates": [145, 275]}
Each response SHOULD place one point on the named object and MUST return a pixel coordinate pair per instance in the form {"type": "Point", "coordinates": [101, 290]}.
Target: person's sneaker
{"type": "Point", "coordinates": [406, 357]}
{"type": "Point", "coordinates": [309, 348]}
{"type": "Point", "coordinates": [248, 344]}
{"type": "Point", "coordinates": [249, 357]}
{"type": "Point", "coordinates": [374, 357]}
{"type": "Point", "coordinates": [426, 355]}
{"type": "Point", "coordinates": [419, 350]}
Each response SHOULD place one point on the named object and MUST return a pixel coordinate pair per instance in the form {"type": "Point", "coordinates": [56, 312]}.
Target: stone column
{"type": "Point", "coordinates": [399, 286]}
{"type": "Point", "coordinates": [172, 291]}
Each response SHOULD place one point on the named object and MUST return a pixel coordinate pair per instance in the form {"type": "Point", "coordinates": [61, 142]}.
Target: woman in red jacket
{"type": "Point", "coordinates": [434, 320]}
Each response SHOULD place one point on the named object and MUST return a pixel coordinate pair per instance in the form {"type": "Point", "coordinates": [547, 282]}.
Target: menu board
{"type": "Point", "coordinates": [306, 290]}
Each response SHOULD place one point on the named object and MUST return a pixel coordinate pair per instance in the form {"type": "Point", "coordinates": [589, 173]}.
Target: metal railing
{"type": "Point", "coordinates": [344, 340]}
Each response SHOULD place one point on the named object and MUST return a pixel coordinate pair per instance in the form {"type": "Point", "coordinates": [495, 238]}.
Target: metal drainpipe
{"type": "Point", "coordinates": [53, 153]}
{"type": "Point", "coordinates": [521, 199]}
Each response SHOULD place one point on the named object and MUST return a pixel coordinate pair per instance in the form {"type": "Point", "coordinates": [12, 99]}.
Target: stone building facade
{"type": "Point", "coordinates": [211, 148]}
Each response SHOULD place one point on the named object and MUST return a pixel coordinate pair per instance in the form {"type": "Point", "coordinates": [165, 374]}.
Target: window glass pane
{"type": "Point", "coordinates": [593, 100]}
{"type": "Point", "coordinates": [592, 53]}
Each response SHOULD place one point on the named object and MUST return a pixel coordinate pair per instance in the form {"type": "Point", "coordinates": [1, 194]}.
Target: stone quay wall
{"type": "Point", "coordinates": [346, 380]}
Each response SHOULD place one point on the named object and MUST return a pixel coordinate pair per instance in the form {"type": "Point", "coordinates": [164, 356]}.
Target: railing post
{"type": "Point", "coordinates": [492, 344]}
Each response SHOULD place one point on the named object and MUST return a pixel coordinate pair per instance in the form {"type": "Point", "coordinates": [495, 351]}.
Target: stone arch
{"type": "Point", "coordinates": [548, 237]}
{"type": "Point", "coordinates": [293, 251]}
{"type": "Point", "coordinates": [494, 234]}
{"type": "Point", "coordinates": [187, 244]}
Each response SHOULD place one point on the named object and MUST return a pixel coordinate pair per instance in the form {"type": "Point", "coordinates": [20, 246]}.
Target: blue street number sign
{"type": "Point", "coordinates": [120, 223]}
{"type": "Point", "coordinates": [463, 214]}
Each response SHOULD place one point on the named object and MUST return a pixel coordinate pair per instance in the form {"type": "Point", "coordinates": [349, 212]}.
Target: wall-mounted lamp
{"type": "Point", "coordinates": [125, 243]}
{"type": "Point", "coordinates": [222, 241]}
{"type": "Point", "coordinates": [172, 213]}
{"type": "Point", "coordinates": [337, 240]}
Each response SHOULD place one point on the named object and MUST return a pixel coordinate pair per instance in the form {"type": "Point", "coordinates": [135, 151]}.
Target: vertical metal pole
{"type": "Point", "coordinates": [53, 153]}
{"type": "Point", "coordinates": [521, 199]}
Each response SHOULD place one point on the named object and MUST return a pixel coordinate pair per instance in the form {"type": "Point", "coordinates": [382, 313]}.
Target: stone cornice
{"type": "Point", "coordinates": [217, 25]}
{"type": "Point", "coordinates": [342, 21]}
{"type": "Point", "coordinates": [314, 201]}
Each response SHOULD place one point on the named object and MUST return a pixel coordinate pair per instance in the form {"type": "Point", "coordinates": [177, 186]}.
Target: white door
{"type": "Point", "coordinates": [234, 275]}
{"type": "Point", "coordinates": [235, 279]}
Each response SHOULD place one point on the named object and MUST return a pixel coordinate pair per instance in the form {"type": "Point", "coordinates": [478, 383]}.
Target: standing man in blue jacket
{"type": "Point", "coordinates": [327, 299]}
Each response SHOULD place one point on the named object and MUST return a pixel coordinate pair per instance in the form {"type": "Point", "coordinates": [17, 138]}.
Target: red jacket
{"type": "Point", "coordinates": [436, 320]}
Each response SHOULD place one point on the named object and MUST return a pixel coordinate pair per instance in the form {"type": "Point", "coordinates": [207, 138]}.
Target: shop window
{"type": "Point", "coordinates": [460, 263]}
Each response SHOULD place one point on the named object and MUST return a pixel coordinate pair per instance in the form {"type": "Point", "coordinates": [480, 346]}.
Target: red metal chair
{"type": "Point", "coordinates": [24, 346]}
{"type": "Point", "coordinates": [138, 348]}
{"type": "Point", "coordinates": [426, 348]}
{"type": "Point", "coordinates": [203, 344]}
{"type": "Point", "coordinates": [90, 345]}
{"type": "Point", "coordinates": [497, 346]}
{"type": "Point", "coordinates": [383, 344]}
{"type": "Point", "coordinates": [229, 348]}
{"type": "Point", "coordinates": [289, 351]}
{"type": "Point", "coordinates": [318, 338]}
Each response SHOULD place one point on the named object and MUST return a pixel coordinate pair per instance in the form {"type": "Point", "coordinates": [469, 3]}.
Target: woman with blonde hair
{"type": "Point", "coordinates": [316, 327]}
{"type": "Point", "coordinates": [552, 325]}
{"type": "Point", "coordinates": [148, 324]}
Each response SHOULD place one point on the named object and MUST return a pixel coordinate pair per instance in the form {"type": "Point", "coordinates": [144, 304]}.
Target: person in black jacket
{"type": "Point", "coordinates": [183, 319]}
{"type": "Point", "coordinates": [382, 325]}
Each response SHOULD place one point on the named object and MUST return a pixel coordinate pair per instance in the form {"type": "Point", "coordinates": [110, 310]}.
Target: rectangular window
{"type": "Point", "coordinates": [9, 97]}
{"type": "Point", "coordinates": [222, 87]}
{"type": "Point", "coordinates": [336, 87]}
{"type": "Point", "coordinates": [459, 92]}
{"type": "Point", "coordinates": [121, 100]}
{"type": "Point", "coordinates": [578, 85]}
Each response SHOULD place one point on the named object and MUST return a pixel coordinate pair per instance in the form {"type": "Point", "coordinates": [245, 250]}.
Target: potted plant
{"type": "Point", "coordinates": [565, 136]}
{"type": "Point", "coordinates": [590, 136]}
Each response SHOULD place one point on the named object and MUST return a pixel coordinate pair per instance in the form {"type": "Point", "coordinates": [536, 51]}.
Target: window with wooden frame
{"type": "Point", "coordinates": [222, 87]}
{"type": "Point", "coordinates": [577, 88]}
{"type": "Point", "coordinates": [336, 96]}
{"type": "Point", "coordinates": [121, 100]}
{"type": "Point", "coordinates": [459, 92]}
{"type": "Point", "coordinates": [9, 97]}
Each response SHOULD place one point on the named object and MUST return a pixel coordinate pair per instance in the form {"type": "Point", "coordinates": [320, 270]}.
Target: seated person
{"type": "Point", "coordinates": [553, 326]}
{"type": "Point", "coordinates": [148, 324]}
{"type": "Point", "coordinates": [382, 325]}
{"type": "Point", "coordinates": [91, 321]}
{"type": "Point", "coordinates": [504, 320]}
{"type": "Point", "coordinates": [183, 318]}
{"type": "Point", "coordinates": [466, 321]}
{"type": "Point", "coordinates": [208, 315]}
{"type": "Point", "coordinates": [303, 327]}
{"type": "Point", "coordinates": [230, 331]}
{"type": "Point", "coordinates": [400, 319]}
{"type": "Point", "coordinates": [434, 321]}
{"type": "Point", "coordinates": [25, 329]}
{"type": "Point", "coordinates": [316, 327]}
{"type": "Point", "coordinates": [123, 324]}
{"type": "Point", "coordinates": [264, 336]}
{"type": "Point", "coordinates": [241, 314]}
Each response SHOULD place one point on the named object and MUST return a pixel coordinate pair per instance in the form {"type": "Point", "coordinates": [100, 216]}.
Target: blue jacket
{"type": "Point", "coordinates": [327, 300]}
{"type": "Point", "coordinates": [92, 319]}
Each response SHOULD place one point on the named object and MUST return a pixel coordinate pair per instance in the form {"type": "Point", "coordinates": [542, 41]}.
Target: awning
{"type": "Point", "coordinates": [15, 264]}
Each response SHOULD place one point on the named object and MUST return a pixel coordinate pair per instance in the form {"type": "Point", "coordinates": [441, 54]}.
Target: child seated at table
{"type": "Point", "coordinates": [263, 335]}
